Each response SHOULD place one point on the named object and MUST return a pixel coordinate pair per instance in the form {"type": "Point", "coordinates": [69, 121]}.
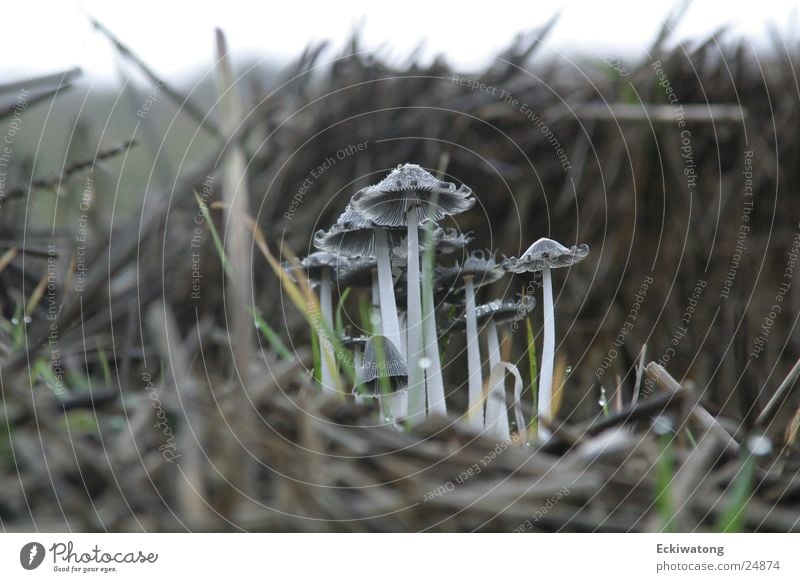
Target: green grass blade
{"type": "Point", "coordinates": [272, 337]}
{"type": "Point", "coordinates": [339, 308]}
{"type": "Point", "coordinates": [217, 241]}
{"type": "Point", "coordinates": [315, 350]}
{"type": "Point", "coordinates": [604, 401]}
{"type": "Point", "coordinates": [365, 315]}
{"type": "Point", "coordinates": [732, 519]}
{"type": "Point", "coordinates": [101, 354]}
{"type": "Point", "coordinates": [18, 328]}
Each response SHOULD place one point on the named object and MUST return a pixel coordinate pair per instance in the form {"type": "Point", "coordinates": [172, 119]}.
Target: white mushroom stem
{"type": "Point", "coordinates": [327, 359]}
{"type": "Point", "coordinates": [498, 375]}
{"type": "Point", "coordinates": [374, 314]}
{"type": "Point", "coordinates": [436, 399]}
{"type": "Point", "coordinates": [393, 407]}
{"type": "Point", "coordinates": [548, 353]}
{"type": "Point", "coordinates": [416, 375]}
{"type": "Point", "coordinates": [475, 382]}
{"type": "Point", "coordinates": [496, 411]}
{"type": "Point", "coordinates": [390, 326]}
{"type": "Point", "coordinates": [356, 365]}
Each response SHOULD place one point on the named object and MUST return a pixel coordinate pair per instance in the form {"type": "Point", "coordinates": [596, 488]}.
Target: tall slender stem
{"type": "Point", "coordinates": [548, 353]}
{"type": "Point", "coordinates": [374, 312]}
{"type": "Point", "coordinates": [496, 411]}
{"type": "Point", "coordinates": [436, 397]}
{"type": "Point", "coordinates": [357, 359]}
{"type": "Point", "coordinates": [389, 323]}
{"type": "Point", "coordinates": [475, 382]}
{"type": "Point", "coordinates": [416, 375]}
{"type": "Point", "coordinates": [327, 358]}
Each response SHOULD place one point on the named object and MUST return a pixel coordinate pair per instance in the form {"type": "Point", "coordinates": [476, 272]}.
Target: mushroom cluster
{"type": "Point", "coordinates": [389, 240]}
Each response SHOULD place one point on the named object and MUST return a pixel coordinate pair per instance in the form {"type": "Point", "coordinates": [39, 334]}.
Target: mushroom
{"type": "Point", "coordinates": [406, 197]}
{"type": "Point", "coordinates": [491, 315]}
{"type": "Point", "coordinates": [383, 374]}
{"type": "Point", "coordinates": [319, 267]}
{"type": "Point", "coordinates": [496, 313]}
{"type": "Point", "coordinates": [481, 269]}
{"type": "Point", "coordinates": [543, 255]}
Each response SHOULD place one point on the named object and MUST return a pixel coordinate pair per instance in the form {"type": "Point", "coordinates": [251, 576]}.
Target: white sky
{"type": "Point", "coordinates": [176, 37]}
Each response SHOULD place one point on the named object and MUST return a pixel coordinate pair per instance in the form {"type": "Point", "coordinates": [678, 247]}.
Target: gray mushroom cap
{"type": "Point", "coordinates": [409, 186]}
{"type": "Point", "coordinates": [481, 265]}
{"type": "Point", "coordinates": [393, 367]}
{"type": "Point", "coordinates": [500, 311]}
{"type": "Point", "coordinates": [546, 252]}
{"type": "Point", "coordinates": [453, 241]}
{"type": "Point", "coordinates": [313, 265]}
{"type": "Point", "coordinates": [354, 236]}
{"type": "Point", "coordinates": [445, 241]}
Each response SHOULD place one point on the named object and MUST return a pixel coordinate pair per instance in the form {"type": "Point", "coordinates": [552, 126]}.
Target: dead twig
{"type": "Point", "coordinates": [52, 182]}
{"type": "Point", "coordinates": [700, 415]}
{"type": "Point", "coordinates": [780, 396]}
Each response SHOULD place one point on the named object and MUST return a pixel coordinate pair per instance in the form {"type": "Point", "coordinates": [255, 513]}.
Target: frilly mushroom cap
{"type": "Point", "coordinates": [313, 265]}
{"type": "Point", "coordinates": [354, 236]}
{"type": "Point", "coordinates": [392, 366]}
{"type": "Point", "coordinates": [453, 241]}
{"type": "Point", "coordinates": [546, 252]}
{"type": "Point", "coordinates": [445, 240]}
{"type": "Point", "coordinates": [480, 265]}
{"type": "Point", "coordinates": [352, 219]}
{"type": "Point", "coordinates": [500, 311]}
{"type": "Point", "coordinates": [409, 186]}
{"type": "Point", "coordinates": [354, 242]}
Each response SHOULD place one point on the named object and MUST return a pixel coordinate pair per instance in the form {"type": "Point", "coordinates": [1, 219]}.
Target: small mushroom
{"type": "Point", "coordinates": [497, 311]}
{"type": "Point", "coordinates": [543, 255]}
{"type": "Point", "coordinates": [491, 315]}
{"type": "Point", "coordinates": [480, 268]}
{"type": "Point", "coordinates": [383, 374]}
{"type": "Point", "coordinates": [319, 267]}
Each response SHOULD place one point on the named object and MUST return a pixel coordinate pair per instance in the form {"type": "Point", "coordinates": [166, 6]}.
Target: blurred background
{"type": "Point", "coordinates": [663, 136]}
